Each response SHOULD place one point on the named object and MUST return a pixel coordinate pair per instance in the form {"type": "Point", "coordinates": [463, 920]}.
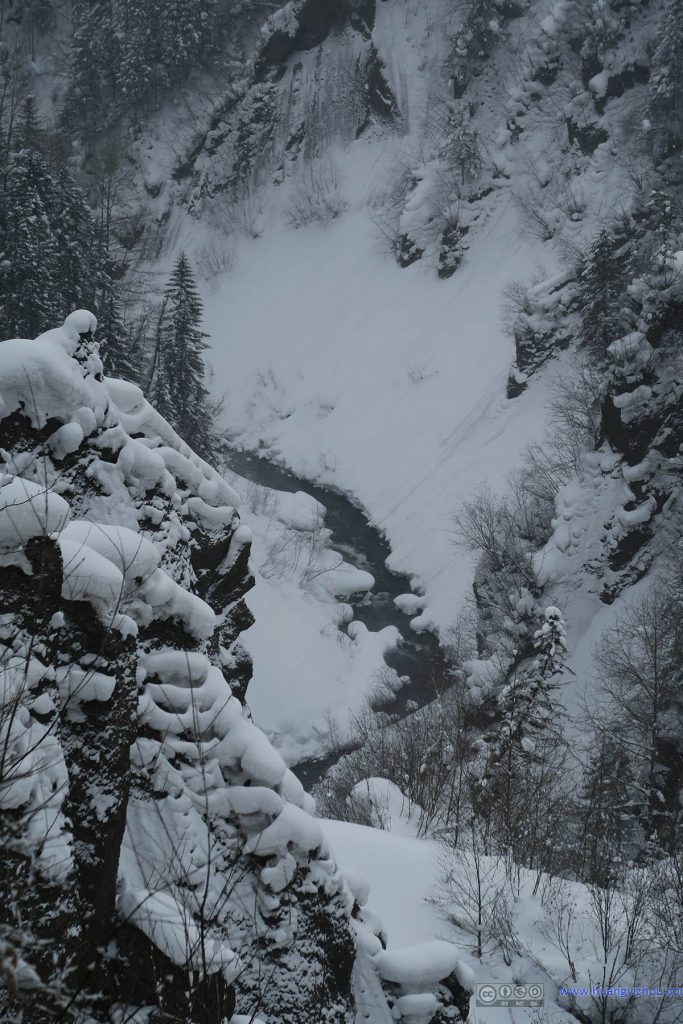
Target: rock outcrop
{"type": "Point", "coordinates": [156, 849]}
{"type": "Point", "coordinates": [158, 857]}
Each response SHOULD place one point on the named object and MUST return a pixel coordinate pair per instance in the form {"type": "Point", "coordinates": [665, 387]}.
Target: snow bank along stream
{"type": "Point", "coordinates": [418, 658]}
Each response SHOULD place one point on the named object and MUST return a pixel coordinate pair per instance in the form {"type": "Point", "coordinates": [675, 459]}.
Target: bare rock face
{"type": "Point", "coordinates": [157, 854]}
{"type": "Point", "coordinates": [316, 77]}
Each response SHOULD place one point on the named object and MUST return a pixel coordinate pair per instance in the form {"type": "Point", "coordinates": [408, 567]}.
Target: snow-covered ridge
{"type": "Point", "coordinates": [128, 736]}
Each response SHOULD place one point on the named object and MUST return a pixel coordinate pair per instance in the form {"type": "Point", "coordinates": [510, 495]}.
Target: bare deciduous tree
{"type": "Point", "coordinates": [639, 661]}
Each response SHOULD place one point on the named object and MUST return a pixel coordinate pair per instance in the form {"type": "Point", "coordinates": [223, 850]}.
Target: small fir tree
{"type": "Point", "coordinates": [602, 294]}
{"type": "Point", "coordinates": [178, 385]}
{"type": "Point", "coordinates": [462, 143]}
{"type": "Point", "coordinates": [666, 80]}
{"type": "Point", "coordinates": [527, 749]}
{"type": "Point", "coordinates": [28, 250]}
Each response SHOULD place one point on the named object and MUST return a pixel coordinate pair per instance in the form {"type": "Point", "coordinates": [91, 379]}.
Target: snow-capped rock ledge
{"type": "Point", "coordinates": [145, 816]}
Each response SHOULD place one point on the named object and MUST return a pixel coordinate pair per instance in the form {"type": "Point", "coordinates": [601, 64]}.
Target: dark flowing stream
{"type": "Point", "coordinates": [418, 657]}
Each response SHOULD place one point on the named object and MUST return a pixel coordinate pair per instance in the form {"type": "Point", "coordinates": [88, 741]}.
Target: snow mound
{"type": "Point", "coordinates": [418, 967]}
{"type": "Point", "coordinates": [28, 510]}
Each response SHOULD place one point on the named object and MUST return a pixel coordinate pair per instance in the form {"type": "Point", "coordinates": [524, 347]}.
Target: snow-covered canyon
{"type": "Point", "coordinates": [372, 466]}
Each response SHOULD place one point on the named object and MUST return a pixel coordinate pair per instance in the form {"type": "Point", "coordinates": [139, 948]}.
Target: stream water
{"type": "Point", "coordinates": [418, 657]}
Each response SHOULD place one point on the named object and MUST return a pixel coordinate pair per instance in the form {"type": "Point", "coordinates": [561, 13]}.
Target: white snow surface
{"type": "Point", "coordinates": [400, 871]}
{"type": "Point", "coordinates": [299, 606]}
{"type": "Point", "coordinates": [386, 382]}
{"type": "Point", "coordinates": [403, 874]}
{"type": "Point", "coordinates": [27, 510]}
{"type": "Point", "coordinates": [417, 968]}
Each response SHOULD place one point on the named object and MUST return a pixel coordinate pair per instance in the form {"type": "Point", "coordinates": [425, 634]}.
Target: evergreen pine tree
{"type": "Point", "coordinates": [73, 230]}
{"type": "Point", "coordinates": [462, 144]}
{"type": "Point", "coordinates": [116, 344]}
{"type": "Point", "coordinates": [94, 59]}
{"type": "Point", "coordinates": [602, 295]}
{"type": "Point", "coordinates": [29, 302]}
{"type": "Point", "coordinates": [86, 276]}
{"type": "Point", "coordinates": [178, 388]}
{"type": "Point", "coordinates": [666, 80]}
{"type": "Point", "coordinates": [141, 70]}
{"type": "Point", "coordinates": [30, 134]}
{"type": "Point", "coordinates": [125, 55]}
{"type": "Point", "coordinates": [527, 748]}
{"type": "Point", "coordinates": [53, 257]}
{"type": "Point", "coordinates": [181, 39]}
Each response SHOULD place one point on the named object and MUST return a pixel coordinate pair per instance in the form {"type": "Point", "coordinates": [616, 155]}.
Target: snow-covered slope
{"type": "Point", "coordinates": [386, 383]}
{"type": "Point", "coordinates": [540, 936]}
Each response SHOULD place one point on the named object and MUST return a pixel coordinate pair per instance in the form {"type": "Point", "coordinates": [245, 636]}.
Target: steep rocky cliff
{"type": "Point", "coordinates": [157, 854]}
{"type": "Point", "coordinates": [315, 77]}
